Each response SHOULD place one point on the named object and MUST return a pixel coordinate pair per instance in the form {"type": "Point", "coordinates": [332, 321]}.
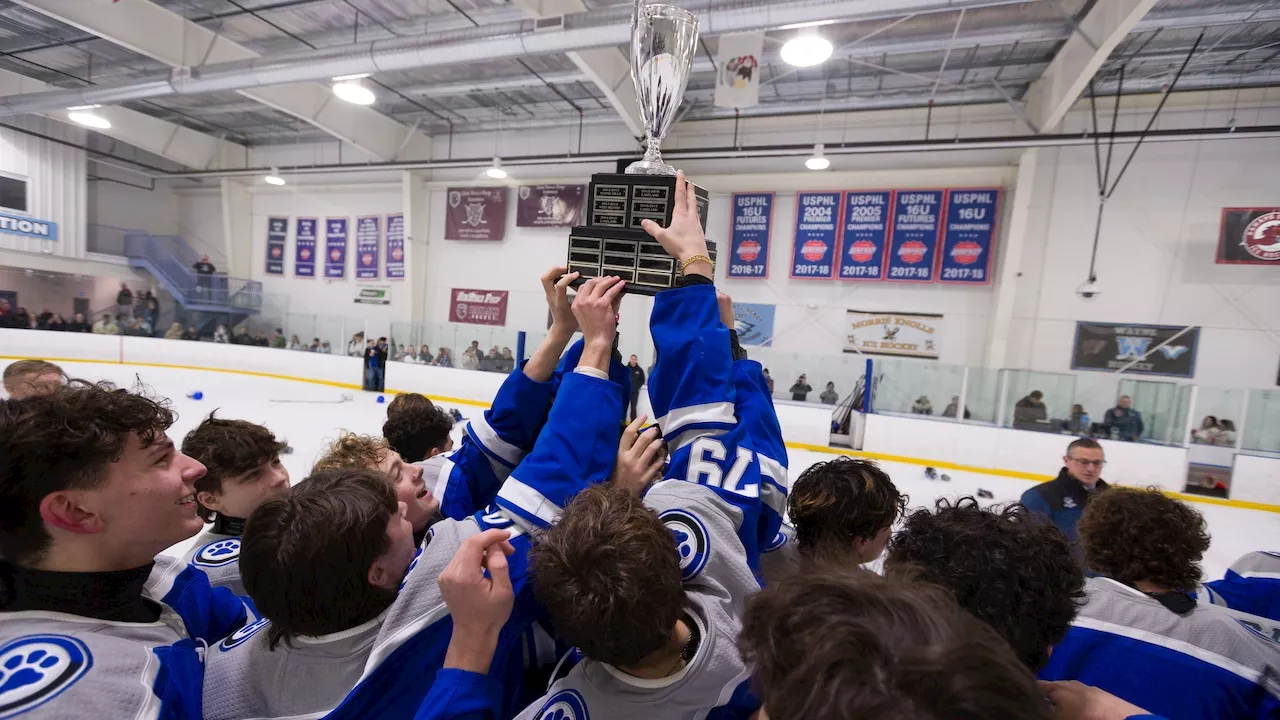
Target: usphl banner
{"type": "Point", "coordinates": [478, 307]}
{"type": "Point", "coordinates": [749, 236]}
{"type": "Point", "coordinates": [549, 205]}
{"type": "Point", "coordinates": [904, 334]}
{"type": "Point", "coordinates": [738, 70]}
{"type": "Point", "coordinates": [754, 323]}
{"type": "Point", "coordinates": [1141, 349]}
{"type": "Point", "coordinates": [1249, 236]}
{"type": "Point", "coordinates": [817, 216]}
{"type": "Point", "coordinates": [277, 233]}
{"type": "Point", "coordinates": [865, 234]}
{"type": "Point", "coordinates": [304, 258]}
{"type": "Point", "coordinates": [913, 245]}
{"type": "Point", "coordinates": [475, 213]}
{"type": "Point", "coordinates": [969, 235]}
{"type": "Point", "coordinates": [395, 247]}
{"type": "Point", "coordinates": [368, 238]}
{"type": "Point", "coordinates": [335, 244]}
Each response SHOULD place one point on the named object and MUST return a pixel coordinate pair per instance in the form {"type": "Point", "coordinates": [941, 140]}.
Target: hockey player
{"type": "Point", "coordinates": [92, 622]}
{"type": "Point", "coordinates": [1251, 585]}
{"type": "Point", "coordinates": [350, 607]}
{"type": "Point", "coordinates": [1142, 636]}
{"type": "Point", "coordinates": [243, 470]}
{"type": "Point", "coordinates": [1003, 565]}
{"type": "Point", "coordinates": [417, 428]}
{"type": "Point", "coordinates": [26, 378]}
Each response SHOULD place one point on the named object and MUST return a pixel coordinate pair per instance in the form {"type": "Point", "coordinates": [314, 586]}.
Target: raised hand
{"type": "Point", "coordinates": [479, 604]}
{"type": "Point", "coordinates": [557, 292]}
{"type": "Point", "coordinates": [596, 309]}
{"type": "Point", "coordinates": [684, 238]}
{"type": "Point", "coordinates": [640, 457]}
{"type": "Point", "coordinates": [725, 303]}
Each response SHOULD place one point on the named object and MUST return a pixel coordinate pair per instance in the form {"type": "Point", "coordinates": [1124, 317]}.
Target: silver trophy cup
{"type": "Point", "coordinates": [663, 41]}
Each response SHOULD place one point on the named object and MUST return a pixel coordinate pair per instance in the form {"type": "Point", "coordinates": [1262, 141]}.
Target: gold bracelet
{"type": "Point", "coordinates": [684, 264]}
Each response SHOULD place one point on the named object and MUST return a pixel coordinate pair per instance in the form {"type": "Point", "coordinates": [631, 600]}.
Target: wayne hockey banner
{"type": "Point", "coordinates": [478, 307]}
{"type": "Point", "coordinates": [395, 247]}
{"type": "Point", "coordinates": [1249, 236]}
{"type": "Point", "coordinates": [902, 334]}
{"type": "Point", "coordinates": [738, 70]}
{"type": "Point", "coordinates": [754, 323]}
{"type": "Point", "coordinates": [335, 244]}
{"type": "Point", "coordinates": [814, 250]}
{"type": "Point", "coordinates": [1139, 349]}
{"type": "Point", "coordinates": [368, 238]}
{"type": "Point", "coordinates": [277, 233]}
{"type": "Point", "coordinates": [475, 213]}
{"type": "Point", "coordinates": [749, 235]}
{"type": "Point", "coordinates": [304, 256]}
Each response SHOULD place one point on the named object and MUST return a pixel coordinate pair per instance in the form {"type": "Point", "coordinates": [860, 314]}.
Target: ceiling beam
{"type": "Point", "coordinates": [1099, 33]}
{"type": "Point", "coordinates": [158, 33]}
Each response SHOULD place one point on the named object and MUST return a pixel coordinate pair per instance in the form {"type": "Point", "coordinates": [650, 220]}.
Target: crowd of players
{"type": "Point", "coordinates": [558, 566]}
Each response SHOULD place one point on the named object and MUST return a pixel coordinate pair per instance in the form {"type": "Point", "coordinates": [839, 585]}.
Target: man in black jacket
{"type": "Point", "coordinates": [1063, 499]}
{"type": "Point", "coordinates": [637, 383]}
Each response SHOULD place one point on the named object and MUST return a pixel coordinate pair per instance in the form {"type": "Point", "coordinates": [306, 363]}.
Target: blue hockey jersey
{"type": "Point", "coordinates": [1251, 585]}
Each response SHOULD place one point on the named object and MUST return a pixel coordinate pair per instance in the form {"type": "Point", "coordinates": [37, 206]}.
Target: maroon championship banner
{"type": "Point", "coordinates": [478, 307]}
{"type": "Point", "coordinates": [1249, 236]}
{"type": "Point", "coordinates": [549, 205]}
{"type": "Point", "coordinates": [475, 213]}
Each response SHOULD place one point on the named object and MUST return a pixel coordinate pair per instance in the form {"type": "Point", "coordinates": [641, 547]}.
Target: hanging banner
{"type": "Point", "coordinates": [754, 323]}
{"type": "Point", "coordinates": [749, 235]}
{"type": "Point", "coordinates": [1110, 347]}
{"type": "Point", "coordinates": [335, 244]}
{"type": "Point", "coordinates": [1249, 236]}
{"type": "Point", "coordinates": [817, 217]}
{"type": "Point", "coordinates": [902, 334]}
{"type": "Point", "coordinates": [549, 205]}
{"type": "Point", "coordinates": [738, 70]}
{"type": "Point", "coordinates": [277, 234]}
{"type": "Point", "coordinates": [969, 237]}
{"type": "Point", "coordinates": [475, 214]}
{"type": "Point", "coordinates": [865, 233]}
{"type": "Point", "coordinates": [913, 244]}
{"type": "Point", "coordinates": [304, 254]}
{"type": "Point", "coordinates": [368, 238]}
{"type": "Point", "coordinates": [478, 307]}
{"type": "Point", "coordinates": [395, 247]}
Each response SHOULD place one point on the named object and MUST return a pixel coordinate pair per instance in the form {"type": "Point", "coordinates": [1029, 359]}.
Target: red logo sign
{"type": "Point", "coordinates": [397, 254]}
{"type": "Point", "coordinates": [966, 253]}
{"type": "Point", "coordinates": [276, 252]}
{"type": "Point", "coordinates": [862, 251]}
{"type": "Point", "coordinates": [749, 250]}
{"type": "Point", "coordinates": [1262, 237]}
{"type": "Point", "coordinates": [813, 250]}
{"type": "Point", "coordinates": [335, 255]}
{"type": "Point", "coordinates": [912, 251]}
{"type": "Point", "coordinates": [366, 259]}
{"type": "Point", "coordinates": [305, 253]}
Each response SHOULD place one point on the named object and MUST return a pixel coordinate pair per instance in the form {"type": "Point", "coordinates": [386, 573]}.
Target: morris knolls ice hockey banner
{"type": "Point", "coordinates": [549, 205]}
{"type": "Point", "coordinates": [475, 214]}
{"type": "Point", "coordinates": [1249, 236]}
{"type": "Point", "coordinates": [478, 307]}
{"type": "Point", "coordinates": [904, 334]}
{"type": "Point", "coordinates": [1141, 349]}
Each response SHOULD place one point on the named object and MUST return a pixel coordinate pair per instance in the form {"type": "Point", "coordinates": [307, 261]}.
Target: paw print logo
{"type": "Point", "coordinates": [217, 554]}
{"type": "Point", "coordinates": [691, 540]}
{"type": "Point", "coordinates": [565, 705]}
{"type": "Point", "coordinates": [35, 669]}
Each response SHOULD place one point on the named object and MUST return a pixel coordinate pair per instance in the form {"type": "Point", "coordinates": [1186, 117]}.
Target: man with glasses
{"type": "Point", "coordinates": [1064, 498]}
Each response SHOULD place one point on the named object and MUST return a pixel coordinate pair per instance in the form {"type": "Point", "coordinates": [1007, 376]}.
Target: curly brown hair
{"type": "Point", "coordinates": [608, 574]}
{"type": "Point", "coordinates": [843, 644]}
{"type": "Point", "coordinates": [228, 448]}
{"type": "Point", "coordinates": [415, 426]}
{"type": "Point", "coordinates": [835, 502]}
{"type": "Point", "coordinates": [353, 451]}
{"type": "Point", "coordinates": [1132, 535]}
{"type": "Point", "coordinates": [64, 441]}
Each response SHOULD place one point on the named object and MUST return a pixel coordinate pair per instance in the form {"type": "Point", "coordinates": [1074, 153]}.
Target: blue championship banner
{"type": "Point", "coordinates": [817, 219]}
{"type": "Point", "coordinates": [304, 260]}
{"type": "Point", "coordinates": [749, 235]}
{"type": "Point", "coordinates": [368, 240]}
{"type": "Point", "coordinates": [865, 234]}
{"type": "Point", "coordinates": [913, 244]}
{"type": "Point", "coordinates": [277, 233]}
{"type": "Point", "coordinates": [969, 235]}
{"type": "Point", "coordinates": [335, 244]}
{"type": "Point", "coordinates": [754, 323]}
{"type": "Point", "coordinates": [1138, 349]}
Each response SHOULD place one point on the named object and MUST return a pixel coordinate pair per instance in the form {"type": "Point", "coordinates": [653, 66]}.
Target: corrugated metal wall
{"type": "Point", "coordinates": [56, 191]}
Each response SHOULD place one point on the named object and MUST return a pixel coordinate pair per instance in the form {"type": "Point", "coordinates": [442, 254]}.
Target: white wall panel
{"type": "Point", "coordinates": [56, 190]}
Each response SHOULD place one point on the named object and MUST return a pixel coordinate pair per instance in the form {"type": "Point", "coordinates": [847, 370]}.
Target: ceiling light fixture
{"type": "Point", "coordinates": [495, 171]}
{"type": "Point", "coordinates": [273, 177]}
{"type": "Point", "coordinates": [351, 89]}
{"type": "Point", "coordinates": [806, 50]}
{"type": "Point", "coordinates": [85, 115]}
{"type": "Point", "coordinates": [818, 161]}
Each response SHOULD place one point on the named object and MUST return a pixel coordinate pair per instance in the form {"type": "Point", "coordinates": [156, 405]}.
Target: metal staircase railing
{"type": "Point", "coordinates": [171, 261]}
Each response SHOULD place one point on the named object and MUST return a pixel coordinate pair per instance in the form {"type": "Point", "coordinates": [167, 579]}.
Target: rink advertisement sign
{"type": "Point", "coordinates": [902, 334]}
{"type": "Point", "coordinates": [864, 234]}
{"type": "Point", "coordinates": [1249, 236]}
{"type": "Point", "coordinates": [335, 248]}
{"type": "Point", "coordinates": [277, 234]}
{"type": "Point", "coordinates": [478, 307]}
{"type": "Point", "coordinates": [549, 205]}
{"type": "Point", "coordinates": [373, 295]}
{"type": "Point", "coordinates": [817, 220]}
{"type": "Point", "coordinates": [969, 235]}
{"type": "Point", "coordinates": [304, 256]}
{"type": "Point", "coordinates": [475, 213]}
{"type": "Point", "coordinates": [913, 241]}
{"type": "Point", "coordinates": [749, 236]}
{"type": "Point", "coordinates": [1138, 349]}
{"type": "Point", "coordinates": [754, 323]}
{"type": "Point", "coordinates": [368, 238]}
{"type": "Point", "coordinates": [395, 247]}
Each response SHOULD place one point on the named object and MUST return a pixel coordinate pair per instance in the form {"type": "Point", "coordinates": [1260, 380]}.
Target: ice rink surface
{"type": "Point", "coordinates": [309, 415]}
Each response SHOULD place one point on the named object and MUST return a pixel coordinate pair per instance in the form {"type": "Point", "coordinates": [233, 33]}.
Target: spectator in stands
{"type": "Point", "coordinates": [106, 326]}
{"type": "Point", "coordinates": [1208, 432]}
{"type": "Point", "coordinates": [1063, 499]}
{"type": "Point", "coordinates": [204, 275]}
{"type": "Point", "coordinates": [42, 320]}
{"type": "Point", "coordinates": [277, 339]}
{"type": "Point", "coordinates": [124, 299]}
{"type": "Point", "coordinates": [145, 326]}
{"type": "Point", "coordinates": [78, 324]}
{"type": "Point", "coordinates": [922, 406]}
{"type": "Point", "coordinates": [220, 335]}
{"type": "Point", "coordinates": [260, 339]}
{"type": "Point", "coordinates": [507, 362]}
{"type": "Point", "coordinates": [324, 348]}
{"type": "Point", "coordinates": [295, 343]}
{"type": "Point", "coordinates": [769, 379]}
{"type": "Point", "coordinates": [490, 361]}
{"type": "Point", "coordinates": [22, 319]}
{"type": "Point", "coordinates": [444, 359]}
{"type": "Point", "coordinates": [1078, 423]}
{"type": "Point", "coordinates": [371, 366]}
{"type": "Point", "coordinates": [409, 355]}
{"type": "Point", "coordinates": [174, 332]}
{"type": "Point", "coordinates": [800, 391]}
{"type": "Point", "coordinates": [424, 355]}
{"type": "Point", "coordinates": [954, 406]}
{"type": "Point", "coordinates": [242, 336]}
{"type": "Point", "coordinates": [314, 346]}
{"type": "Point", "coordinates": [1228, 435]}
{"type": "Point", "coordinates": [355, 348]}
{"type": "Point", "coordinates": [1030, 409]}
{"type": "Point", "coordinates": [151, 308]}
{"type": "Point", "coordinates": [829, 396]}
{"type": "Point", "coordinates": [637, 385]}
{"type": "Point", "coordinates": [57, 324]}
{"type": "Point", "coordinates": [6, 314]}
{"type": "Point", "coordinates": [470, 359]}
{"type": "Point", "coordinates": [29, 378]}
{"type": "Point", "coordinates": [191, 334]}
{"type": "Point", "coordinates": [1124, 422]}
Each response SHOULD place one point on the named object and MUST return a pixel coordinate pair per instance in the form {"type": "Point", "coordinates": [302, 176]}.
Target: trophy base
{"type": "Point", "coordinates": [618, 200]}
{"type": "Point", "coordinates": [631, 255]}
{"type": "Point", "coordinates": [649, 167]}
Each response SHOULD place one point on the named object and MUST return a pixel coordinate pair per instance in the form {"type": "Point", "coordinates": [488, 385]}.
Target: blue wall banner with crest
{"type": "Point", "coordinates": [1137, 349]}
{"type": "Point", "coordinates": [749, 235]}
